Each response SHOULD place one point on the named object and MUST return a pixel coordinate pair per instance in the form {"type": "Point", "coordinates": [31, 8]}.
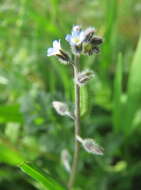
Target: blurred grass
{"type": "Point", "coordinates": [30, 81]}
{"type": "Point", "coordinates": [117, 104]}
{"type": "Point", "coordinates": [134, 90]}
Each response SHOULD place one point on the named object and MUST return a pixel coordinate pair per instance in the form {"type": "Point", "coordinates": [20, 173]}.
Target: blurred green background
{"type": "Point", "coordinates": [31, 131]}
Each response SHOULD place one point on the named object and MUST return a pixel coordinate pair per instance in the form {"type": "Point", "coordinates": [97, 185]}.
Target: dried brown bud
{"type": "Point", "coordinates": [90, 146]}
{"type": "Point", "coordinates": [83, 77]}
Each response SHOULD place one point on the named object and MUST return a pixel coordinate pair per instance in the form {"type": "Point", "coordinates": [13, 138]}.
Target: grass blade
{"type": "Point", "coordinates": [44, 179]}
{"type": "Point", "coordinates": [134, 90]}
{"type": "Point", "coordinates": [9, 155]}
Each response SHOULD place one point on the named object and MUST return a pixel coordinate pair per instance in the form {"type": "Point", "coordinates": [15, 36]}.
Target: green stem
{"type": "Point", "coordinates": [77, 127]}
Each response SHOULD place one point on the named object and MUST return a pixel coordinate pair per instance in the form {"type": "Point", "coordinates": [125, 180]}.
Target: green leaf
{"type": "Point", "coordinates": [44, 179]}
{"type": "Point", "coordinates": [134, 90]}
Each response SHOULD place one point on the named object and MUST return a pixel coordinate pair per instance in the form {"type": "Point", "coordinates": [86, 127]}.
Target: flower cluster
{"type": "Point", "coordinates": [84, 41]}
{"type": "Point", "coordinates": [81, 42]}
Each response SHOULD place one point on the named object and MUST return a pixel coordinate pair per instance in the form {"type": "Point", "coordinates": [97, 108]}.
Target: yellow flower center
{"type": "Point", "coordinates": [76, 40]}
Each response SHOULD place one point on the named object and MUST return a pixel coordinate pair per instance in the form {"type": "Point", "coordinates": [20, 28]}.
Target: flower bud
{"type": "Point", "coordinates": [97, 40]}
{"type": "Point", "coordinates": [83, 77]}
{"type": "Point", "coordinates": [88, 33]}
{"type": "Point", "coordinates": [92, 46]}
{"type": "Point", "coordinates": [62, 109]}
{"type": "Point", "coordinates": [90, 146]}
{"type": "Point", "coordinates": [76, 28]}
{"type": "Point", "coordinates": [65, 157]}
{"type": "Point", "coordinates": [89, 48]}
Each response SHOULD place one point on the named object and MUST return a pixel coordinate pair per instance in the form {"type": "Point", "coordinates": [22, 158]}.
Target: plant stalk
{"type": "Point", "coordinates": [77, 127]}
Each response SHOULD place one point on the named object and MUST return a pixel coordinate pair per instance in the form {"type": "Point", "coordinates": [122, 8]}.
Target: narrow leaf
{"type": "Point", "coordinates": [134, 90]}
{"type": "Point", "coordinates": [44, 179]}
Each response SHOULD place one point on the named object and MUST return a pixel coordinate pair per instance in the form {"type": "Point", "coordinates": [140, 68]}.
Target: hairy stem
{"type": "Point", "coordinates": [77, 127]}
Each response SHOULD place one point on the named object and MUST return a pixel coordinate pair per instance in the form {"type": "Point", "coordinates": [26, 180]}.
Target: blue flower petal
{"type": "Point", "coordinates": [75, 33]}
{"type": "Point", "coordinates": [68, 37]}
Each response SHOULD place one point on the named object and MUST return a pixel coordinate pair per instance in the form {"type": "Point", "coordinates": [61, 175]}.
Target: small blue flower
{"type": "Point", "coordinates": [76, 37]}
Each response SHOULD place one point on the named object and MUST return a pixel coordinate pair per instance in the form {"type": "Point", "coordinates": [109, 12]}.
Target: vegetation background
{"type": "Point", "coordinates": [30, 130]}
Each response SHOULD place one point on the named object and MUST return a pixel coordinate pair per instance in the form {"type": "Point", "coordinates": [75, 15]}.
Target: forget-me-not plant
{"type": "Point", "coordinates": [82, 42]}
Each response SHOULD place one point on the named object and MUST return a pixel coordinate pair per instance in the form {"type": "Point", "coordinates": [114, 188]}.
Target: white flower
{"type": "Point", "coordinates": [90, 146]}
{"type": "Point", "coordinates": [56, 48]}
